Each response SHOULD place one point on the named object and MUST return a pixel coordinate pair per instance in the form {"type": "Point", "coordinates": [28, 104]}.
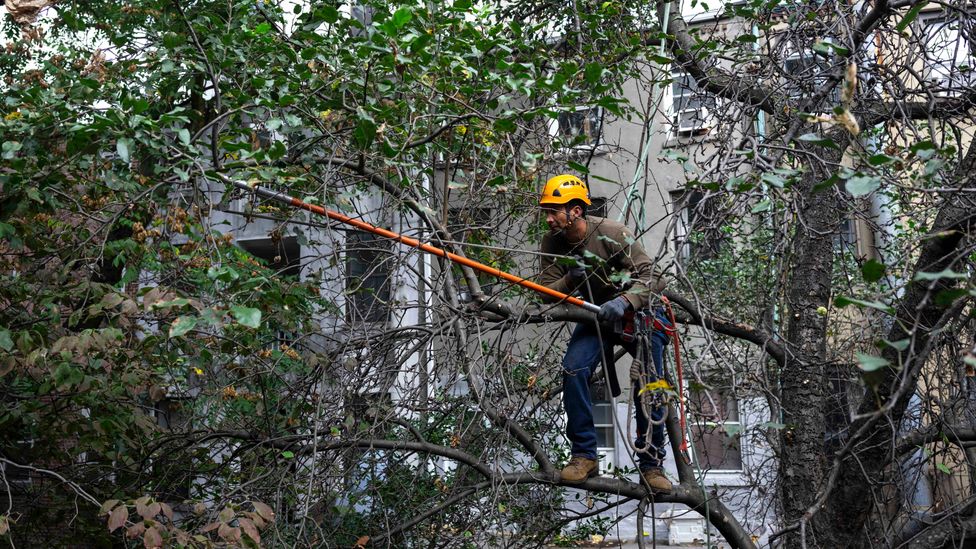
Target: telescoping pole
{"type": "Point", "coordinates": [414, 243]}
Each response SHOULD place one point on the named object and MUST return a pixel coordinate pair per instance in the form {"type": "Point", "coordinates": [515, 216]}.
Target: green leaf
{"type": "Point", "coordinates": [815, 139]}
{"type": "Point", "coordinates": [263, 28]}
{"type": "Point", "coordinates": [184, 136]}
{"type": "Point", "coordinates": [329, 14]}
{"type": "Point", "coordinates": [944, 468]}
{"type": "Point", "coordinates": [504, 125]}
{"type": "Point", "coordinates": [948, 297]}
{"type": "Point", "coordinates": [870, 363]}
{"type": "Point", "coordinates": [872, 270]}
{"type": "Point", "coordinates": [593, 72]}
{"type": "Point", "coordinates": [577, 167]}
{"type": "Point", "coordinates": [178, 302]}
{"type": "Point", "coordinates": [364, 133]}
{"type": "Point", "coordinates": [762, 206]}
{"type": "Point", "coordinates": [910, 16]}
{"type": "Point", "coordinates": [247, 316]}
{"type": "Point", "coordinates": [182, 325]}
{"type": "Point", "coordinates": [172, 40]}
{"type": "Point", "coordinates": [10, 149]}
{"type": "Point", "coordinates": [122, 147]}
{"type": "Point", "coordinates": [842, 301]}
{"type": "Point", "coordinates": [774, 180]}
{"type": "Point", "coordinates": [948, 273]}
{"type": "Point", "coordinates": [288, 454]}
{"type": "Point", "coordinates": [6, 343]}
{"type": "Point", "coordinates": [402, 16]}
{"type": "Point", "coordinates": [881, 160]}
{"type": "Point", "coordinates": [899, 345]}
{"type": "Point", "coordinates": [861, 185]}
{"type": "Point", "coordinates": [140, 106]}
{"type": "Point", "coordinates": [223, 273]}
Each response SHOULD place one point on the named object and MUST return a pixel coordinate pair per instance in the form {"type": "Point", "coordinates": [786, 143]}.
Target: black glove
{"type": "Point", "coordinates": [614, 310]}
{"type": "Point", "coordinates": [577, 273]}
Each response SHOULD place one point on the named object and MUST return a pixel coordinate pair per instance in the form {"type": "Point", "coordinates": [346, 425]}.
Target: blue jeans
{"type": "Point", "coordinates": [583, 360]}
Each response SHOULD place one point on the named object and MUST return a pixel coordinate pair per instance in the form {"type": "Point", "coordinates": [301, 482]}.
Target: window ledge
{"type": "Point", "coordinates": [675, 141]}
{"type": "Point", "coordinates": [582, 151]}
{"type": "Point", "coordinates": [726, 478]}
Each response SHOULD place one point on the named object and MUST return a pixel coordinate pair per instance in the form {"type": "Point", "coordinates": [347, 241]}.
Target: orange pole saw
{"type": "Point", "coordinates": [414, 243]}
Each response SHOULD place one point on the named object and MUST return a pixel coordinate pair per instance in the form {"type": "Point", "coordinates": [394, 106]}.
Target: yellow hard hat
{"type": "Point", "coordinates": [563, 188]}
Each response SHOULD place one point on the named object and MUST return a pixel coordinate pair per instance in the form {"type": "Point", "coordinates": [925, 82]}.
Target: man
{"type": "Point", "coordinates": [616, 274]}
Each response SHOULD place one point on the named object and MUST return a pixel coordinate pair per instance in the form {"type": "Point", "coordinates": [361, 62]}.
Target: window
{"type": "Point", "coordinates": [603, 421]}
{"type": "Point", "coordinates": [715, 430]}
{"type": "Point", "coordinates": [949, 64]}
{"type": "Point", "coordinates": [806, 72]}
{"type": "Point", "coordinates": [598, 206]}
{"type": "Point", "coordinates": [365, 467]}
{"type": "Point", "coordinates": [685, 204]}
{"type": "Point", "coordinates": [845, 238]}
{"type": "Point", "coordinates": [580, 128]}
{"type": "Point", "coordinates": [174, 481]}
{"type": "Point", "coordinates": [19, 451]}
{"type": "Point", "coordinates": [696, 233]}
{"type": "Point", "coordinates": [691, 108]}
{"type": "Point", "coordinates": [368, 268]}
{"type": "Point", "coordinates": [283, 256]}
{"type": "Point", "coordinates": [469, 224]}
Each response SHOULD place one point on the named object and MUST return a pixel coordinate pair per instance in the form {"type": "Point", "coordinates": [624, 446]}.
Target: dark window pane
{"type": "Point", "coordinates": [283, 255]}
{"type": "Point", "coordinates": [598, 207]}
{"type": "Point", "coordinates": [715, 429]}
{"type": "Point", "coordinates": [601, 414]}
{"type": "Point", "coordinates": [470, 224]}
{"type": "Point", "coordinates": [715, 449]}
{"type": "Point", "coordinates": [580, 127]}
{"type": "Point", "coordinates": [845, 239]}
{"type": "Point", "coordinates": [368, 267]}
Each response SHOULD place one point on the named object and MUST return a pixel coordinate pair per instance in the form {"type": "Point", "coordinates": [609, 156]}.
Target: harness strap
{"type": "Point", "coordinates": [673, 332]}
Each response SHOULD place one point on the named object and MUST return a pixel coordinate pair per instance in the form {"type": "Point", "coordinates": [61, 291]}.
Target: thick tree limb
{"type": "Point", "coordinates": [916, 315]}
{"type": "Point", "coordinates": [688, 493]}
{"type": "Point", "coordinates": [723, 326]}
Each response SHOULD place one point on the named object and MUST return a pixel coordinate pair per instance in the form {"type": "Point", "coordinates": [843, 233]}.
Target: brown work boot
{"type": "Point", "coordinates": [657, 481]}
{"type": "Point", "coordinates": [579, 469]}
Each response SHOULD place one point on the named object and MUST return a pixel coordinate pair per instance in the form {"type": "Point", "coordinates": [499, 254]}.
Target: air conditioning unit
{"type": "Point", "coordinates": [952, 84]}
{"type": "Point", "coordinates": [691, 121]}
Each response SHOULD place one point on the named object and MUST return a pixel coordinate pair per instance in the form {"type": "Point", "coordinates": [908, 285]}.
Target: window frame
{"type": "Point", "coordinates": [707, 103]}
{"type": "Point", "coordinates": [819, 78]}
{"type": "Point", "coordinates": [286, 261]}
{"type": "Point", "coordinates": [606, 454]}
{"type": "Point", "coordinates": [381, 295]}
{"type": "Point", "coordinates": [595, 144]}
{"type": "Point", "coordinates": [954, 81]}
{"type": "Point", "coordinates": [701, 422]}
{"type": "Point", "coordinates": [685, 203]}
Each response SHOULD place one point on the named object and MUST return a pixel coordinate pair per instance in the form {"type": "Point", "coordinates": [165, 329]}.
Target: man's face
{"type": "Point", "coordinates": [560, 218]}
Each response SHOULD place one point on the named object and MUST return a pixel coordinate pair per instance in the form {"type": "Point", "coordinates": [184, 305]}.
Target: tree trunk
{"type": "Point", "coordinates": [802, 464]}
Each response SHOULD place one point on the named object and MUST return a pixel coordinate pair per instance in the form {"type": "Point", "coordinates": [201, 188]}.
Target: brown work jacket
{"type": "Point", "coordinates": [615, 265]}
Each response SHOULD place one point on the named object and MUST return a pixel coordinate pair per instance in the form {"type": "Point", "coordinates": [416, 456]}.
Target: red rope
{"type": "Point", "coordinates": [673, 332]}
